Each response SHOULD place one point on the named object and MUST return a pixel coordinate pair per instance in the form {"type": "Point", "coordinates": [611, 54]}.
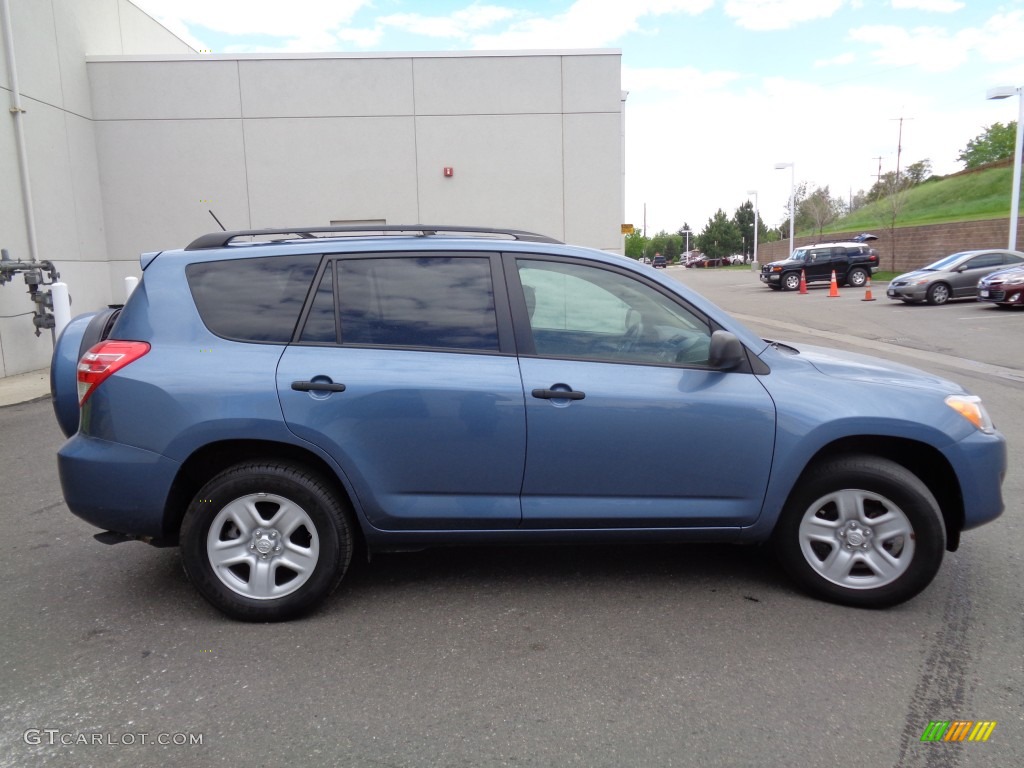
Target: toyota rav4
{"type": "Point", "coordinates": [274, 400]}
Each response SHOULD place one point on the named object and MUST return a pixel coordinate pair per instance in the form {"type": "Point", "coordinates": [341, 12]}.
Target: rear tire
{"type": "Point", "coordinates": [861, 531]}
{"type": "Point", "coordinates": [856, 278]}
{"type": "Point", "coordinates": [266, 541]}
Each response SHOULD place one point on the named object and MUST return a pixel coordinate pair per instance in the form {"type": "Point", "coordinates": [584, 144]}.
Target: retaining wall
{"type": "Point", "coordinates": [913, 247]}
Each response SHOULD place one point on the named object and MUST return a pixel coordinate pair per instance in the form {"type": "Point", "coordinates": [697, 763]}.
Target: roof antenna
{"type": "Point", "coordinates": [223, 228]}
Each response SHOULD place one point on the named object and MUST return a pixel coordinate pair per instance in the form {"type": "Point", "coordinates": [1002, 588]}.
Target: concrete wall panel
{"type": "Point", "coordinates": [164, 90]}
{"type": "Point", "coordinates": [84, 27]}
{"type": "Point", "coordinates": [22, 350]}
{"type": "Point", "coordinates": [35, 50]}
{"type": "Point", "coordinates": [591, 83]}
{"type": "Point", "coordinates": [315, 170]}
{"type": "Point", "coordinates": [85, 187]}
{"type": "Point", "coordinates": [159, 179]}
{"type": "Point", "coordinates": [488, 85]}
{"type": "Point", "coordinates": [326, 87]}
{"type": "Point", "coordinates": [141, 34]}
{"type": "Point", "coordinates": [507, 171]}
{"type": "Point", "coordinates": [46, 140]}
{"type": "Point", "coordinates": [593, 160]}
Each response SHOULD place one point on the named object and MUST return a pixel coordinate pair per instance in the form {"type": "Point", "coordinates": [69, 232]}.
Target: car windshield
{"type": "Point", "coordinates": [944, 263]}
{"type": "Point", "coordinates": [799, 254]}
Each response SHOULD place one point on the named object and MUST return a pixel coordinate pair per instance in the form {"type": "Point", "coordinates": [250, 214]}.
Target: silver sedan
{"type": "Point", "coordinates": [952, 277]}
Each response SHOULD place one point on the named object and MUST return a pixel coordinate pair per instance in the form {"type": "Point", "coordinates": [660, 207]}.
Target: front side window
{"type": "Point", "coordinates": [591, 313]}
{"type": "Point", "coordinates": [441, 302]}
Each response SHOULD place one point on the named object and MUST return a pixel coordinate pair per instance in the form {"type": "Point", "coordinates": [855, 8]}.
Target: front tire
{"type": "Point", "coordinates": [790, 281]}
{"type": "Point", "coordinates": [266, 541]}
{"type": "Point", "coordinates": [861, 531]}
{"type": "Point", "coordinates": [938, 294]}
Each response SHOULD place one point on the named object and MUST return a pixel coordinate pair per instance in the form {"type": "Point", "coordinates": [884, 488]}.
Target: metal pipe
{"type": "Point", "coordinates": [19, 130]}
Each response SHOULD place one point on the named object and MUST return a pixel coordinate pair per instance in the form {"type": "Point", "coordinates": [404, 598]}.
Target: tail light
{"type": "Point", "coordinates": [104, 359]}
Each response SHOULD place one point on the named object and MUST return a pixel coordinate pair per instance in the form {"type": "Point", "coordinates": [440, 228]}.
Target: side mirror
{"type": "Point", "coordinates": [725, 352]}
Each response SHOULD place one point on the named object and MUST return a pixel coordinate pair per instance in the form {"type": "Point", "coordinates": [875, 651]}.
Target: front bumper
{"type": "Point", "coordinates": [771, 277]}
{"type": "Point", "coordinates": [1003, 294]}
{"type": "Point", "coordinates": [907, 292]}
{"type": "Point", "coordinates": [979, 461]}
{"type": "Point", "coordinates": [114, 486]}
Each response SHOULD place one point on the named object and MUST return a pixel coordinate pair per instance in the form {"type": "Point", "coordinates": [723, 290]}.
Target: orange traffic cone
{"type": "Point", "coordinates": [803, 282]}
{"type": "Point", "coordinates": [867, 293]}
{"type": "Point", "coordinates": [833, 289]}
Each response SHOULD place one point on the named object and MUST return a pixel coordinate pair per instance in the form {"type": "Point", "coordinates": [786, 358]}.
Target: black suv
{"type": "Point", "coordinates": [853, 262]}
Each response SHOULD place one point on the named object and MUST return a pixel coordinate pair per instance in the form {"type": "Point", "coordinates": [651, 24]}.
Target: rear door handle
{"type": "Point", "coordinates": [317, 386]}
{"type": "Point", "coordinates": [558, 394]}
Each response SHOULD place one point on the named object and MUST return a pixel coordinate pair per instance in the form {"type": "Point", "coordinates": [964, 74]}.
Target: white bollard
{"type": "Point", "coordinates": [129, 286]}
{"type": "Point", "coordinates": [61, 306]}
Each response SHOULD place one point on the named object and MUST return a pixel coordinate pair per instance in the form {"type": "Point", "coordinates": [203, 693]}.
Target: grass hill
{"type": "Point", "coordinates": [966, 196]}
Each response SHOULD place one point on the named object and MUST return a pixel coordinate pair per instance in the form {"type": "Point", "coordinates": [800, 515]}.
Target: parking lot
{"type": "Point", "coordinates": [642, 655]}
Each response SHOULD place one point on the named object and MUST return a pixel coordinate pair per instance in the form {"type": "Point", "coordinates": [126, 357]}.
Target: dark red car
{"type": "Point", "coordinates": [1004, 288]}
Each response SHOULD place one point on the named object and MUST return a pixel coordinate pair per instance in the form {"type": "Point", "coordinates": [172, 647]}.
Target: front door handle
{"type": "Point", "coordinates": [558, 394]}
{"type": "Point", "coordinates": [317, 386]}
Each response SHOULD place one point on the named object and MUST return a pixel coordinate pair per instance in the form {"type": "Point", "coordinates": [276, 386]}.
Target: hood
{"type": "Point", "coordinates": [778, 263]}
{"type": "Point", "coordinates": [1002, 274]}
{"type": "Point", "coordinates": [857, 367]}
{"type": "Point", "coordinates": [917, 274]}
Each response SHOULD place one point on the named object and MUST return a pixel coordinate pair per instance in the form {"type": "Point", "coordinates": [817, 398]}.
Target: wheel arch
{"type": "Point", "coordinates": [924, 461]}
{"type": "Point", "coordinates": [206, 462]}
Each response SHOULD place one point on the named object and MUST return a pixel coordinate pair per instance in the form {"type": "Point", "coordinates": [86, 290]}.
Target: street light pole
{"type": "Point", "coordinates": [792, 198]}
{"type": "Point", "coordinates": [1003, 92]}
{"type": "Point", "coordinates": [753, 192]}
{"type": "Point", "coordinates": [687, 233]}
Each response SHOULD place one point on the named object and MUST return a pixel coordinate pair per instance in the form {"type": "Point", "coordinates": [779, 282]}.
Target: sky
{"type": "Point", "coordinates": [720, 91]}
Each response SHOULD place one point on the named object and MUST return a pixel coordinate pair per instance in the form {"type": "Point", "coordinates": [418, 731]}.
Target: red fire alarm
{"type": "Point", "coordinates": [448, 171]}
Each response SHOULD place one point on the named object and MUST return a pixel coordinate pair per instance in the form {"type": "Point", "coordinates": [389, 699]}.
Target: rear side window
{"type": "Point", "coordinates": [252, 299]}
{"type": "Point", "coordinates": [442, 302]}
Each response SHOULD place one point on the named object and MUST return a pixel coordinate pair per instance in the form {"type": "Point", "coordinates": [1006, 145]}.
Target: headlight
{"type": "Point", "coordinates": [920, 281]}
{"type": "Point", "coordinates": [970, 407]}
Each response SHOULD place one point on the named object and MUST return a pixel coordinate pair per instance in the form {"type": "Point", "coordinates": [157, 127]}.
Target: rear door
{"type": "Point", "coordinates": [626, 424]}
{"type": "Point", "coordinates": [404, 371]}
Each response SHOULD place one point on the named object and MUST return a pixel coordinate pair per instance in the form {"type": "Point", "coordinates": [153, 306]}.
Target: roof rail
{"type": "Point", "coordinates": [221, 239]}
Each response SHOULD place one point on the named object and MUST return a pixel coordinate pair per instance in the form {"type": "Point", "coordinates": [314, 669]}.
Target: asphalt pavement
{"type": "Point", "coordinates": [645, 655]}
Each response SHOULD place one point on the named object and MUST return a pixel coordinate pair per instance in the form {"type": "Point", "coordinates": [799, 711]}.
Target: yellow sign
{"type": "Point", "coordinates": [627, 229]}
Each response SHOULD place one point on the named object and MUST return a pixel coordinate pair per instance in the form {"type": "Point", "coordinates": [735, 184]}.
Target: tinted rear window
{"type": "Point", "coordinates": [252, 299]}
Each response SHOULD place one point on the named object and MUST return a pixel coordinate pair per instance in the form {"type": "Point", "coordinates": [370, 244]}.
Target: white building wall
{"type": "Point", "coordinates": [133, 138]}
{"type": "Point", "coordinates": [534, 141]}
{"type": "Point", "coordinates": [51, 40]}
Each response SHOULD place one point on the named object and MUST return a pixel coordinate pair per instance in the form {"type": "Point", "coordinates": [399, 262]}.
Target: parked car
{"type": "Point", "coordinates": [952, 277]}
{"type": "Point", "coordinates": [270, 407]}
{"type": "Point", "coordinates": [852, 261]}
{"type": "Point", "coordinates": [1005, 288]}
{"type": "Point", "coordinates": [659, 261]}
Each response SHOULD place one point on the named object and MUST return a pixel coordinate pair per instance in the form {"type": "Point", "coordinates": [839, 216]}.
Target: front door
{"type": "Point", "coordinates": [626, 424]}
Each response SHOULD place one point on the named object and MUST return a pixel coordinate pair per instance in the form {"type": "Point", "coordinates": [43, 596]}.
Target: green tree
{"type": "Point", "coordinates": [720, 237]}
{"type": "Point", "coordinates": [743, 219]}
{"type": "Point", "coordinates": [818, 210]}
{"type": "Point", "coordinates": [635, 244]}
{"type": "Point", "coordinates": [994, 143]}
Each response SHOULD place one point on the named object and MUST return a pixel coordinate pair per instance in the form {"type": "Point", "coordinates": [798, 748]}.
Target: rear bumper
{"type": "Point", "coordinates": [114, 486]}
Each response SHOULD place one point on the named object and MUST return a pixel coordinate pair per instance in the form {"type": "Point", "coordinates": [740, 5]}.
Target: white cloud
{"type": "Point", "coordinates": [586, 24]}
{"type": "Point", "coordinates": [779, 14]}
{"type": "Point", "coordinates": [457, 25]}
{"type": "Point", "coordinates": [937, 6]}
{"type": "Point", "coordinates": [934, 49]}
{"type": "Point", "coordinates": [294, 19]}
{"type": "Point", "coordinates": [842, 60]}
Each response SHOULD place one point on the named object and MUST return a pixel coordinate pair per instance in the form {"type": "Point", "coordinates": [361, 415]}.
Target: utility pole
{"type": "Point", "coordinates": [894, 195]}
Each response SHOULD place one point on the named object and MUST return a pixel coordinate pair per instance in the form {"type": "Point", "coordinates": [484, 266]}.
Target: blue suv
{"type": "Point", "coordinates": [272, 400]}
